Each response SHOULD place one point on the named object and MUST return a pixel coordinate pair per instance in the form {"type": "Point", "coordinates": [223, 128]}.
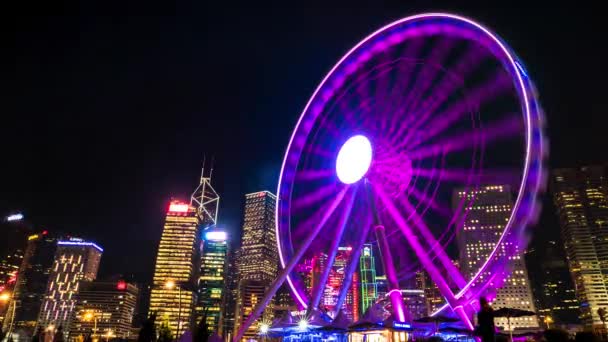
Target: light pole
{"type": "Point", "coordinates": [7, 297]}
{"type": "Point", "coordinates": [87, 317]}
{"type": "Point", "coordinates": [170, 285]}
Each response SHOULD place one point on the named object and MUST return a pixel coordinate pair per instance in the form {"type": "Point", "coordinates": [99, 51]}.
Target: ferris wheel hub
{"type": "Point", "coordinates": [354, 159]}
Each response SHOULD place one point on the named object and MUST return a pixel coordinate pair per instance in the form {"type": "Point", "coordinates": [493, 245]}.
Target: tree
{"type": "Point", "coordinates": [147, 333]}
{"type": "Point", "coordinates": [164, 333]}
{"type": "Point", "coordinates": [201, 334]}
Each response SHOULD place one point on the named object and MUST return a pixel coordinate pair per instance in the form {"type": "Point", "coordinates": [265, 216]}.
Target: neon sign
{"type": "Point", "coordinates": [15, 217]}
{"type": "Point", "coordinates": [216, 236]}
{"type": "Point", "coordinates": [178, 207]}
{"type": "Point", "coordinates": [121, 285]}
{"type": "Point", "coordinates": [401, 325]}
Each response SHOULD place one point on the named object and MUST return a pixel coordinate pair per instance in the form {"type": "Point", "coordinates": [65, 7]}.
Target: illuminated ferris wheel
{"type": "Point", "coordinates": [422, 108]}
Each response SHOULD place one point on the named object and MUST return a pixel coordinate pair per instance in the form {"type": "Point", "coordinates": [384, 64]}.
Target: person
{"type": "Point", "coordinates": [485, 321]}
{"type": "Point", "coordinates": [38, 335]}
{"type": "Point", "coordinates": [58, 335]}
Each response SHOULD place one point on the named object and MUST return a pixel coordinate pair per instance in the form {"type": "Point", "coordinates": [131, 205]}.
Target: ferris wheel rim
{"type": "Point", "coordinates": [525, 93]}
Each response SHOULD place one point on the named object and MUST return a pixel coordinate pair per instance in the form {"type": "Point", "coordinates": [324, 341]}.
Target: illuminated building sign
{"type": "Point", "coordinates": [401, 325]}
{"type": "Point", "coordinates": [78, 243]}
{"type": "Point", "coordinates": [121, 285]}
{"type": "Point", "coordinates": [15, 217]}
{"type": "Point", "coordinates": [177, 207]}
{"type": "Point", "coordinates": [216, 236]}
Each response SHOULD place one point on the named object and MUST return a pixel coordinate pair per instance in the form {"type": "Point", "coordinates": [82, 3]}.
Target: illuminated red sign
{"type": "Point", "coordinates": [121, 285]}
{"type": "Point", "coordinates": [178, 207]}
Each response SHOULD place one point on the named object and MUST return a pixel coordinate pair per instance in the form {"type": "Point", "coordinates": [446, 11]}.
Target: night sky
{"type": "Point", "coordinates": [108, 109]}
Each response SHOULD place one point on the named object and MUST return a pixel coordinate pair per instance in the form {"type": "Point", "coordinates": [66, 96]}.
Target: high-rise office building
{"type": "Point", "coordinates": [488, 209]}
{"type": "Point", "coordinates": [104, 310]}
{"type": "Point", "coordinates": [581, 198]}
{"type": "Point", "coordinates": [334, 283]}
{"type": "Point", "coordinates": [173, 292]}
{"type": "Point", "coordinates": [31, 283]}
{"type": "Point", "coordinates": [212, 280]}
{"type": "Point", "coordinates": [75, 261]}
{"type": "Point", "coordinates": [227, 319]}
{"type": "Point", "coordinates": [551, 284]}
{"type": "Point", "coordinates": [433, 297]}
{"type": "Point", "coordinates": [367, 270]}
{"type": "Point", "coordinates": [12, 247]}
{"type": "Point", "coordinates": [258, 260]}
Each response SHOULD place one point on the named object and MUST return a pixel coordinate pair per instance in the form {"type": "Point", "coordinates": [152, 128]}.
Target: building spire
{"type": "Point", "coordinates": [205, 198]}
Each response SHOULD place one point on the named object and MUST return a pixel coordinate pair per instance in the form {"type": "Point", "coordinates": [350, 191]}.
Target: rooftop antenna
{"type": "Point", "coordinates": [205, 199]}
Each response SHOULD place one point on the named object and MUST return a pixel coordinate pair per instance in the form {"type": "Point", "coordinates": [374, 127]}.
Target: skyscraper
{"type": "Point", "coordinates": [551, 284]}
{"type": "Point", "coordinates": [212, 280]}
{"type": "Point", "coordinates": [230, 294]}
{"type": "Point", "coordinates": [177, 265]}
{"type": "Point", "coordinates": [75, 261]}
{"type": "Point", "coordinates": [367, 269]}
{"type": "Point", "coordinates": [12, 247]}
{"type": "Point", "coordinates": [433, 297]}
{"type": "Point", "coordinates": [31, 284]}
{"type": "Point", "coordinates": [258, 260]}
{"type": "Point", "coordinates": [334, 282]}
{"type": "Point", "coordinates": [105, 310]}
{"type": "Point", "coordinates": [581, 198]}
{"type": "Point", "coordinates": [488, 209]}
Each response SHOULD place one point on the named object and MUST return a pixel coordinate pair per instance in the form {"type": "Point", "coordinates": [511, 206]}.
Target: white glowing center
{"type": "Point", "coordinates": [354, 159]}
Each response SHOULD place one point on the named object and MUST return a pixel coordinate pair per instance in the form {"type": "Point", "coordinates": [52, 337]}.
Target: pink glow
{"type": "Point", "coordinates": [178, 207]}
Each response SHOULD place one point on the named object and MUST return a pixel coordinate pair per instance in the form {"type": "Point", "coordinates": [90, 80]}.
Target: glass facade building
{"type": "Point", "coordinates": [75, 261]}
{"type": "Point", "coordinates": [173, 293]}
{"type": "Point", "coordinates": [104, 310]}
{"type": "Point", "coordinates": [212, 279]}
{"type": "Point", "coordinates": [258, 260]}
{"type": "Point", "coordinates": [581, 198]}
{"type": "Point", "coordinates": [31, 283]}
{"type": "Point", "coordinates": [332, 289]}
{"type": "Point", "coordinates": [367, 270]}
{"type": "Point", "coordinates": [487, 210]}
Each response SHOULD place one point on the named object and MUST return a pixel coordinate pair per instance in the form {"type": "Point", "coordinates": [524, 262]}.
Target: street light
{"type": "Point", "coordinates": [109, 334]}
{"type": "Point", "coordinates": [548, 321]}
{"type": "Point", "coordinates": [5, 297]}
{"type": "Point", "coordinates": [170, 285]}
{"type": "Point", "coordinates": [88, 316]}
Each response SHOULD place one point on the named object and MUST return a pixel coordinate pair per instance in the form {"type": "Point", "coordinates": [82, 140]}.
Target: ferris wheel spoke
{"type": "Point", "coordinates": [351, 268]}
{"type": "Point", "coordinates": [313, 175]}
{"type": "Point", "coordinates": [313, 198]}
{"type": "Point", "coordinates": [484, 93]}
{"type": "Point", "coordinates": [428, 75]}
{"type": "Point", "coordinates": [415, 244]}
{"type": "Point", "coordinates": [429, 201]}
{"type": "Point", "coordinates": [274, 287]}
{"type": "Point", "coordinates": [335, 244]}
{"type": "Point", "coordinates": [446, 87]}
{"type": "Point", "coordinates": [435, 246]}
{"type": "Point", "coordinates": [497, 131]}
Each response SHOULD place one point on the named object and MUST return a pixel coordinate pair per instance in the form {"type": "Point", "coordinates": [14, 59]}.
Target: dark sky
{"type": "Point", "coordinates": [107, 109]}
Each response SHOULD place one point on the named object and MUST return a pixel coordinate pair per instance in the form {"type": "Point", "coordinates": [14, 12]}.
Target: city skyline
{"type": "Point", "coordinates": [124, 202]}
{"type": "Point", "coordinates": [112, 115]}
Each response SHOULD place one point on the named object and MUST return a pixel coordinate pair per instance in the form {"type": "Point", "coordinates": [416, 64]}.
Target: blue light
{"type": "Point", "coordinates": [401, 325]}
{"type": "Point", "coordinates": [216, 236]}
{"type": "Point", "coordinates": [521, 69]}
{"type": "Point", "coordinates": [77, 243]}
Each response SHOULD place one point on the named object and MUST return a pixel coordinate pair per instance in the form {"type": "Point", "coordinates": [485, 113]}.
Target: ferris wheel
{"type": "Point", "coordinates": [426, 106]}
